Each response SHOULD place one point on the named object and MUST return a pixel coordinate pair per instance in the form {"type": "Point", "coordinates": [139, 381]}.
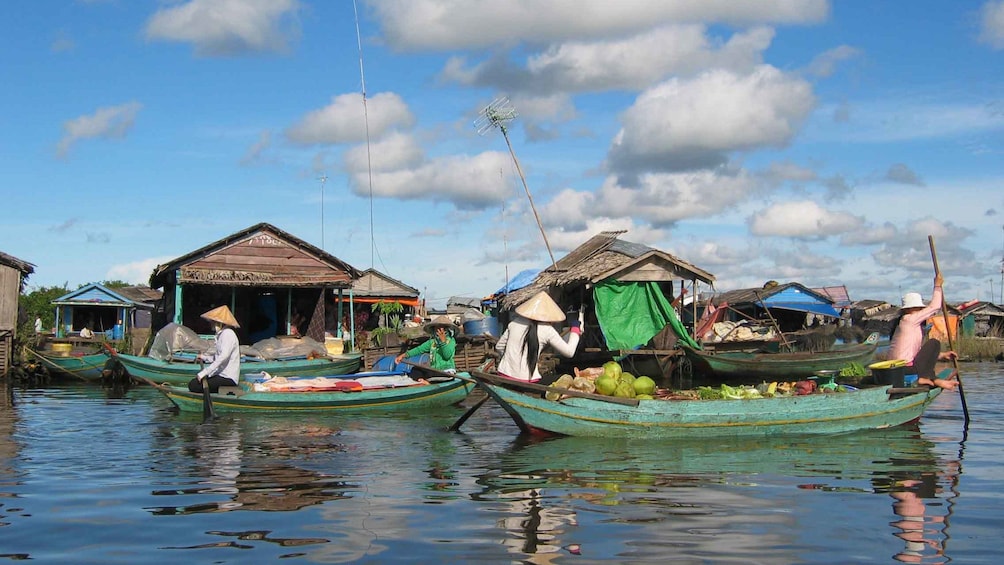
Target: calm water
{"type": "Point", "coordinates": [85, 478]}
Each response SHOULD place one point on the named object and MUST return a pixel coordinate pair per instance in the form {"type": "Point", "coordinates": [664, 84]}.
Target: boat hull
{"type": "Point", "coordinates": [179, 373]}
{"type": "Point", "coordinates": [83, 366]}
{"type": "Point", "coordinates": [828, 413]}
{"type": "Point", "coordinates": [777, 366]}
{"type": "Point", "coordinates": [419, 396]}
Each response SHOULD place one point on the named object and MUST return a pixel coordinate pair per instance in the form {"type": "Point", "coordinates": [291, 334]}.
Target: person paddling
{"type": "Point", "coordinates": [441, 346]}
{"type": "Point", "coordinates": [529, 332]}
{"type": "Point", "coordinates": [224, 367]}
{"type": "Point", "coordinates": [907, 338]}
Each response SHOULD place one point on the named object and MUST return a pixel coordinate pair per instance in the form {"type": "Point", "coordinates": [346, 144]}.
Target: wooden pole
{"type": "Point", "coordinates": [948, 333]}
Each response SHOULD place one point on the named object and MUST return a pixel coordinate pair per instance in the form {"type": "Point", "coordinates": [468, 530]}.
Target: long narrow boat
{"type": "Point", "coordinates": [180, 372]}
{"type": "Point", "coordinates": [77, 364]}
{"type": "Point", "coordinates": [330, 396]}
{"type": "Point", "coordinates": [779, 366]}
{"type": "Point", "coordinates": [587, 415]}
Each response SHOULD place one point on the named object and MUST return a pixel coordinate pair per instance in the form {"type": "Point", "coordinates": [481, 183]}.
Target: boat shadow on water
{"type": "Point", "coordinates": [722, 486]}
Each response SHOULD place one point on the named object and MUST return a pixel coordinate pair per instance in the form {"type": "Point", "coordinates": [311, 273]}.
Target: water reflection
{"type": "Point", "coordinates": [705, 497]}
{"type": "Point", "coordinates": [255, 475]}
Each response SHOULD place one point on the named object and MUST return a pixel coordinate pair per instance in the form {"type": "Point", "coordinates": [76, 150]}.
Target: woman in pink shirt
{"type": "Point", "coordinates": [908, 337]}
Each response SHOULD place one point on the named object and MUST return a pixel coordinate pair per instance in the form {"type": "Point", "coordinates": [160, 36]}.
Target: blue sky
{"type": "Point", "coordinates": [808, 141]}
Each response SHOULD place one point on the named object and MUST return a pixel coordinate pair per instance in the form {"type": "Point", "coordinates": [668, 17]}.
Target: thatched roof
{"type": "Point", "coordinates": [604, 257]}
{"type": "Point", "coordinates": [13, 262]}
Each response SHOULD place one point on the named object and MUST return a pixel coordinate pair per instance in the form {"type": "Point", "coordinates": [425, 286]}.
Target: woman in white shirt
{"type": "Point", "coordinates": [224, 367]}
{"type": "Point", "coordinates": [529, 332]}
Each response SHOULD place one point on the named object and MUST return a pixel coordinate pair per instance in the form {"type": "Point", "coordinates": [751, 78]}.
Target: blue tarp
{"type": "Point", "coordinates": [522, 279]}
{"type": "Point", "coordinates": [794, 299]}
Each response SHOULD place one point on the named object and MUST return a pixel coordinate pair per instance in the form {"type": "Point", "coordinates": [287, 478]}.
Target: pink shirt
{"type": "Point", "coordinates": [910, 333]}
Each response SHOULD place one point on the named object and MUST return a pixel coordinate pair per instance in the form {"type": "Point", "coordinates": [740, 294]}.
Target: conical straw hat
{"type": "Point", "coordinates": [440, 322]}
{"type": "Point", "coordinates": [541, 308]}
{"type": "Point", "coordinates": [222, 315]}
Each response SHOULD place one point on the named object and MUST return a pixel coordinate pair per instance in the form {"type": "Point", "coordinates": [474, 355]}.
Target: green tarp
{"type": "Point", "coordinates": [631, 314]}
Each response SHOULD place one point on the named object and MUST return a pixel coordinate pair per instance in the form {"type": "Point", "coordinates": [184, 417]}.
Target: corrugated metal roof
{"type": "Point", "coordinates": [93, 293]}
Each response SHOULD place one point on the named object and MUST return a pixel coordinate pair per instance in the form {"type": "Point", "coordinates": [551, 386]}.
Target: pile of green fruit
{"type": "Point", "coordinates": [616, 382]}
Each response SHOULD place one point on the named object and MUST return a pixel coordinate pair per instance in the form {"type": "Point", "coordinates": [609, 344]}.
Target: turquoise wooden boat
{"type": "Point", "coordinates": [77, 364]}
{"type": "Point", "coordinates": [433, 393]}
{"type": "Point", "coordinates": [180, 372]}
{"type": "Point", "coordinates": [729, 365]}
{"type": "Point", "coordinates": [587, 415]}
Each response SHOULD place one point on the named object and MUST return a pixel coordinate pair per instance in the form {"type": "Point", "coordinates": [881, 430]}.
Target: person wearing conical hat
{"type": "Point", "coordinates": [224, 368]}
{"type": "Point", "coordinates": [441, 346]}
{"type": "Point", "coordinates": [529, 333]}
{"type": "Point", "coordinates": [906, 342]}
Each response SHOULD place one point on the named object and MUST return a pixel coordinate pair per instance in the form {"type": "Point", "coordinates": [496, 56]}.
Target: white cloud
{"type": "Point", "coordinates": [992, 24]}
{"type": "Point", "coordinates": [344, 119]}
{"type": "Point", "coordinates": [110, 122]}
{"type": "Point", "coordinates": [255, 153]}
{"type": "Point", "coordinates": [433, 25]}
{"type": "Point", "coordinates": [870, 234]}
{"type": "Point", "coordinates": [468, 182]}
{"type": "Point", "coordinates": [896, 119]}
{"type": "Point", "coordinates": [228, 27]}
{"type": "Point", "coordinates": [804, 220]}
{"type": "Point", "coordinates": [660, 199]}
{"type": "Point", "coordinates": [825, 64]}
{"type": "Point", "coordinates": [687, 124]}
{"type": "Point", "coordinates": [136, 272]}
{"type": "Point", "coordinates": [630, 63]}
{"type": "Point", "coordinates": [900, 173]}
{"type": "Point", "coordinates": [394, 152]}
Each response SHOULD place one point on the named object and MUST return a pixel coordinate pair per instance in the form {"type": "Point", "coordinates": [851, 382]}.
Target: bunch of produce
{"type": "Point", "coordinates": [853, 370]}
{"type": "Point", "coordinates": [726, 392]}
{"type": "Point", "coordinates": [609, 380]}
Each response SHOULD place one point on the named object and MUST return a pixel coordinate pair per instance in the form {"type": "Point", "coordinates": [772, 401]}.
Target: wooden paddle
{"type": "Point", "coordinates": [207, 400]}
{"type": "Point", "coordinates": [948, 332]}
{"type": "Point", "coordinates": [442, 374]}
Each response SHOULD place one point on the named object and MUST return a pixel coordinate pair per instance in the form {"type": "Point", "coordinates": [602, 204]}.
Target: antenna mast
{"type": "Point", "coordinates": [366, 119]}
{"type": "Point", "coordinates": [323, 178]}
{"type": "Point", "coordinates": [495, 115]}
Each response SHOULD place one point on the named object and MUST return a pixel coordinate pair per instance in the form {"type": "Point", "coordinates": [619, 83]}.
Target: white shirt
{"type": "Point", "coordinates": [227, 362]}
{"type": "Point", "coordinates": [513, 363]}
{"type": "Point", "coordinates": [38, 325]}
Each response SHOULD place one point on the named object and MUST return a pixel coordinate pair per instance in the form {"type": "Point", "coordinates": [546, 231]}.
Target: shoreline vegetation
{"type": "Point", "coordinates": [979, 348]}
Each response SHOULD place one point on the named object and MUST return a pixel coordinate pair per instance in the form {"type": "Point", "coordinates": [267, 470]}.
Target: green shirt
{"type": "Point", "coordinates": [440, 354]}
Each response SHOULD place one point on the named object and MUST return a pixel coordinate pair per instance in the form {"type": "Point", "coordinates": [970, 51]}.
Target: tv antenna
{"type": "Point", "coordinates": [496, 115]}
{"type": "Point", "coordinates": [323, 178]}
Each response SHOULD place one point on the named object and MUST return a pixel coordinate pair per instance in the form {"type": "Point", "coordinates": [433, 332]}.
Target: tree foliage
{"type": "Point", "coordinates": [39, 303]}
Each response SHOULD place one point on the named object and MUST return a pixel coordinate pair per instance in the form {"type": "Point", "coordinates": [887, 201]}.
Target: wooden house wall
{"type": "Point", "coordinates": [372, 285]}
{"type": "Point", "coordinates": [262, 260]}
{"type": "Point", "coordinates": [10, 289]}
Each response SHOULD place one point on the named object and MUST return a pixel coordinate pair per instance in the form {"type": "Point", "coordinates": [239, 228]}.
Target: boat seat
{"type": "Point", "coordinates": [231, 391]}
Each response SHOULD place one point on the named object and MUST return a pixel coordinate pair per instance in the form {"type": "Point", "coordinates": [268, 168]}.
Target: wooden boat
{"type": "Point", "coordinates": [180, 372]}
{"type": "Point", "coordinates": [77, 364]}
{"type": "Point", "coordinates": [779, 366]}
{"type": "Point", "coordinates": [342, 392]}
{"type": "Point", "coordinates": [584, 414]}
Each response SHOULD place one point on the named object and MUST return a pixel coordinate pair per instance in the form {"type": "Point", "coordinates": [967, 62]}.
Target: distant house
{"type": "Point", "coordinates": [13, 272]}
{"type": "Point", "coordinates": [791, 306]}
{"type": "Point", "coordinates": [267, 277]}
{"type": "Point", "coordinates": [114, 312]}
{"type": "Point", "coordinates": [373, 287]}
{"type": "Point", "coordinates": [981, 319]}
